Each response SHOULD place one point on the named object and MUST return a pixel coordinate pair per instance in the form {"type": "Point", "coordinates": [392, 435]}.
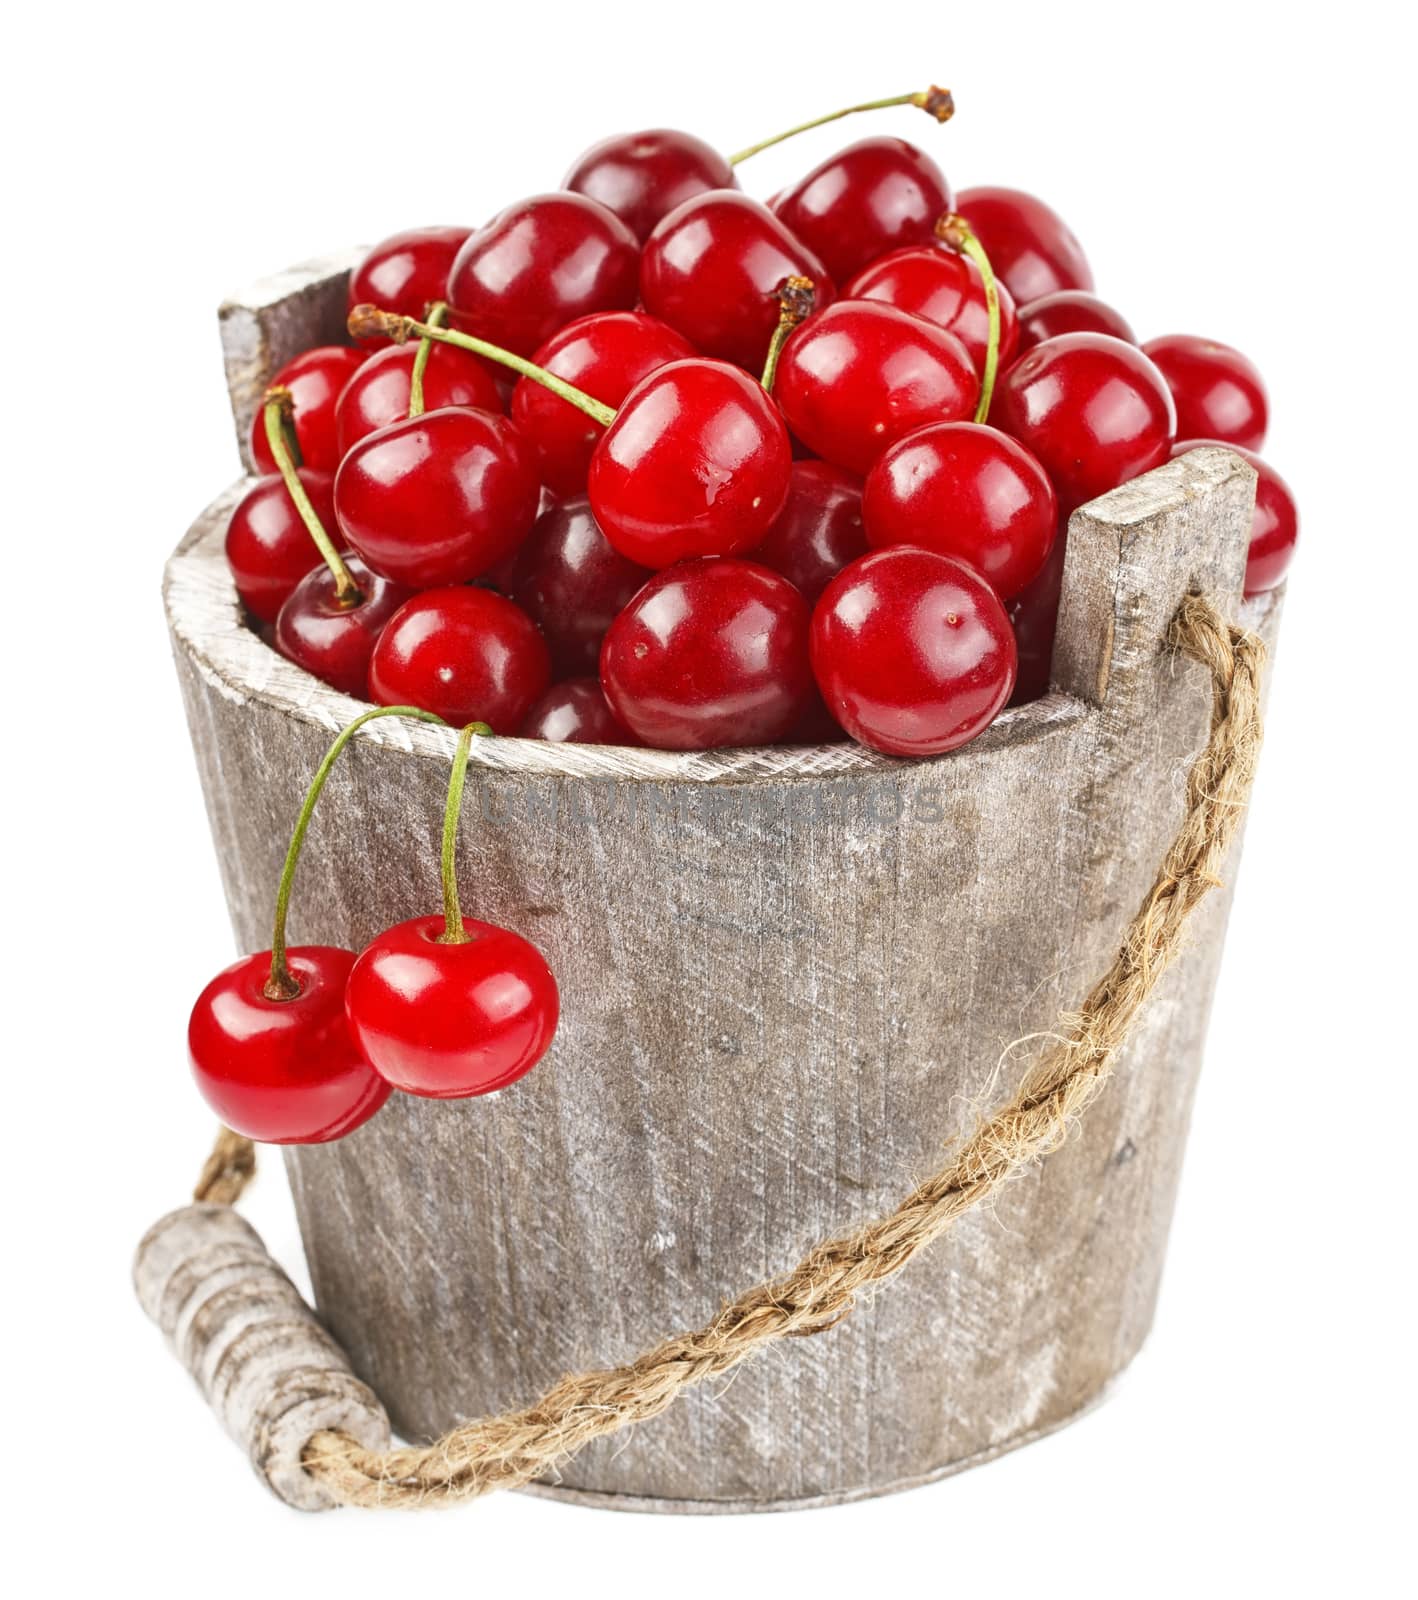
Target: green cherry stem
{"type": "Point", "coordinates": [453, 930]}
{"type": "Point", "coordinates": [938, 102]}
{"type": "Point", "coordinates": [796, 297]}
{"type": "Point", "coordinates": [436, 313]}
{"type": "Point", "coordinates": [958, 234]}
{"type": "Point", "coordinates": [367, 322]}
{"type": "Point", "coordinates": [278, 408]}
{"type": "Point", "coordinates": [281, 985]}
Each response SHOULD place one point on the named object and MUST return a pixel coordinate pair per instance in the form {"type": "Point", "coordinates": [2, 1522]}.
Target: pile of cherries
{"type": "Point", "coordinates": [646, 461]}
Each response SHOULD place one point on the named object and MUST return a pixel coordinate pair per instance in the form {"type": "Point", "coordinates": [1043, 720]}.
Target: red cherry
{"type": "Point", "coordinates": [912, 651]}
{"type": "Point", "coordinates": [576, 712]}
{"type": "Point", "coordinates": [315, 380]}
{"type": "Point", "coordinates": [712, 269]}
{"type": "Point", "coordinates": [451, 1020]}
{"type": "Point", "coordinates": [860, 375]}
{"type": "Point", "coordinates": [464, 653]}
{"type": "Point", "coordinates": [406, 272]}
{"type": "Point", "coordinates": [1034, 616]}
{"type": "Point", "coordinates": [709, 654]}
{"type": "Point", "coordinates": [1030, 246]}
{"type": "Point", "coordinates": [333, 640]}
{"type": "Point", "coordinates": [537, 265]}
{"type": "Point", "coordinates": [644, 176]}
{"type": "Point", "coordinates": [1218, 393]}
{"type": "Point", "coordinates": [268, 546]}
{"type": "Point", "coordinates": [943, 287]}
{"type": "Point", "coordinates": [605, 355]}
{"type": "Point", "coordinates": [967, 491]}
{"type": "Point", "coordinates": [572, 584]}
{"type": "Point", "coordinates": [818, 531]}
{"type": "Point", "coordinates": [437, 498]}
{"type": "Point", "coordinates": [1094, 410]}
{"type": "Point", "coordinates": [378, 394]}
{"type": "Point", "coordinates": [695, 463]}
{"type": "Point", "coordinates": [874, 196]}
{"type": "Point", "coordinates": [1275, 523]}
{"type": "Point", "coordinates": [1069, 311]}
{"type": "Point", "coordinates": [283, 1071]}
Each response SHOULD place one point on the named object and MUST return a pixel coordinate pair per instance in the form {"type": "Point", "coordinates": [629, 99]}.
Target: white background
{"type": "Point", "coordinates": [1233, 170]}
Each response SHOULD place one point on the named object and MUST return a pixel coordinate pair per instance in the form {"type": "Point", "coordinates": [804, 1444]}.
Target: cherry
{"type": "Point", "coordinates": [967, 491]}
{"type": "Point", "coordinates": [1275, 522]}
{"type": "Point", "coordinates": [912, 651]}
{"type": "Point", "coordinates": [1069, 311]}
{"type": "Point", "coordinates": [643, 176]}
{"type": "Point", "coordinates": [379, 393]}
{"type": "Point", "coordinates": [1029, 245]}
{"type": "Point", "coordinates": [712, 269]}
{"type": "Point", "coordinates": [1218, 393]}
{"type": "Point", "coordinates": [315, 381]}
{"type": "Point", "coordinates": [943, 287]}
{"type": "Point", "coordinates": [331, 637]}
{"type": "Point", "coordinates": [576, 712]}
{"type": "Point", "coordinates": [860, 375]}
{"type": "Point", "coordinates": [606, 354]}
{"type": "Point", "coordinates": [537, 265]}
{"type": "Point", "coordinates": [451, 1007]}
{"type": "Point", "coordinates": [1094, 410]}
{"type": "Point", "coordinates": [268, 546]}
{"type": "Point", "coordinates": [1034, 616]}
{"type": "Point", "coordinates": [872, 197]}
{"type": "Point", "coordinates": [407, 272]}
{"type": "Point", "coordinates": [819, 529]}
{"type": "Point", "coordinates": [437, 498]}
{"type": "Point", "coordinates": [708, 654]}
{"type": "Point", "coordinates": [461, 653]}
{"type": "Point", "coordinates": [572, 584]}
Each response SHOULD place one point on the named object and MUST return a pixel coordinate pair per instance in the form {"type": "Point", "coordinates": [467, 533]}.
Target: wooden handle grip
{"type": "Point", "coordinates": [259, 1354]}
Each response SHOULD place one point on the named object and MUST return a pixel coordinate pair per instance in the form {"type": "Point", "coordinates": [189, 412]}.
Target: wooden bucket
{"type": "Point", "coordinates": [788, 978]}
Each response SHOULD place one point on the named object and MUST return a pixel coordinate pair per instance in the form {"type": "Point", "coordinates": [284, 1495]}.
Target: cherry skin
{"type": "Point", "coordinates": [709, 654]}
{"type": "Point", "coordinates": [967, 491]}
{"type": "Point", "coordinates": [316, 380]}
{"type": "Point", "coordinates": [1069, 311]}
{"type": "Point", "coordinates": [912, 651]}
{"type": "Point", "coordinates": [860, 375]}
{"type": "Point", "coordinates": [447, 1021]}
{"type": "Point", "coordinates": [268, 547]}
{"type": "Point", "coordinates": [537, 265]}
{"type": "Point", "coordinates": [572, 584]}
{"type": "Point", "coordinates": [872, 197]}
{"type": "Point", "coordinates": [438, 498]}
{"type": "Point", "coordinates": [943, 287]}
{"type": "Point", "coordinates": [1034, 616]}
{"type": "Point", "coordinates": [283, 1071]}
{"type": "Point", "coordinates": [1218, 393]}
{"type": "Point", "coordinates": [818, 531]}
{"type": "Point", "coordinates": [466, 653]}
{"type": "Point", "coordinates": [605, 355]}
{"type": "Point", "coordinates": [1029, 245]}
{"type": "Point", "coordinates": [331, 640]}
{"type": "Point", "coordinates": [378, 394]}
{"type": "Point", "coordinates": [644, 176]}
{"type": "Point", "coordinates": [1092, 409]}
{"type": "Point", "coordinates": [1275, 522]}
{"type": "Point", "coordinates": [406, 272]}
{"type": "Point", "coordinates": [695, 464]}
{"type": "Point", "coordinates": [712, 269]}
{"type": "Point", "coordinates": [576, 712]}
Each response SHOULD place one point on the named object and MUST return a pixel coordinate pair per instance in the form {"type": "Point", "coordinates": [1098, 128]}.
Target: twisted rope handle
{"type": "Point", "coordinates": [503, 1452]}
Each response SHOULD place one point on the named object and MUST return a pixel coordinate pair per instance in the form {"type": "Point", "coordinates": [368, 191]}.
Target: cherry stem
{"type": "Point", "coordinates": [436, 313]}
{"type": "Point", "coordinates": [281, 985]}
{"type": "Point", "coordinates": [956, 232]}
{"type": "Point", "coordinates": [368, 322]}
{"type": "Point", "coordinates": [453, 929]}
{"type": "Point", "coordinates": [796, 297]}
{"type": "Point", "coordinates": [278, 409]}
{"type": "Point", "coordinates": [938, 102]}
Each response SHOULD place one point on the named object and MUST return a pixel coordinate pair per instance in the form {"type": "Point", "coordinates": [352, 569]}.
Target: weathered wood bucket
{"type": "Point", "coordinates": [788, 978]}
